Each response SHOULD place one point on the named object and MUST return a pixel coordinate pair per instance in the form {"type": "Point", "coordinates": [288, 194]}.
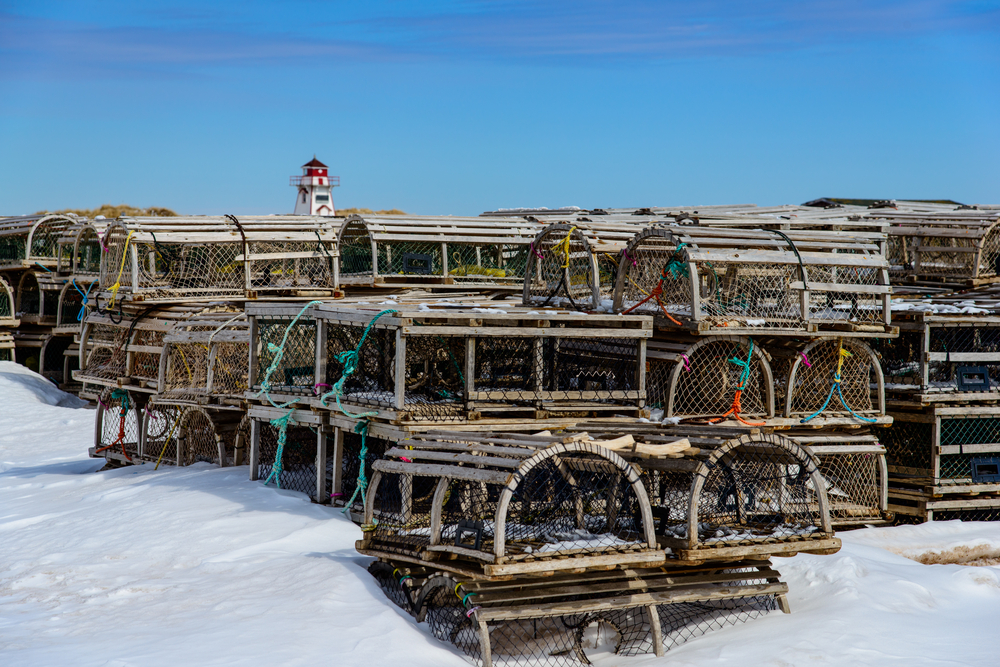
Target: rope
{"type": "Point", "coordinates": [167, 441]}
{"type": "Point", "coordinates": [361, 428]}
{"type": "Point", "coordinates": [85, 296]}
{"type": "Point", "coordinates": [564, 279]}
{"type": "Point", "coordinates": [802, 267]}
{"type": "Point", "coordinates": [657, 291]}
{"type": "Point", "coordinates": [349, 360]}
{"type": "Point", "coordinates": [276, 469]}
{"type": "Point", "coordinates": [736, 407]}
{"type": "Point", "coordinates": [118, 282]}
{"type": "Point", "coordinates": [842, 354]}
{"type": "Point", "coordinates": [121, 395]}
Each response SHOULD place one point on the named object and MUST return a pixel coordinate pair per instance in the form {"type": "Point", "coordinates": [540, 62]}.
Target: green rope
{"type": "Point", "coordinates": [745, 373]}
{"type": "Point", "coordinates": [349, 360]}
{"type": "Point", "coordinates": [123, 395]}
{"type": "Point", "coordinates": [265, 389]}
{"type": "Point", "coordinates": [361, 428]}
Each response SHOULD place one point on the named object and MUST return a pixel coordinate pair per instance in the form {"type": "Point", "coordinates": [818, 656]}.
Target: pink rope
{"type": "Point", "coordinates": [627, 258]}
{"type": "Point", "coordinates": [472, 611]}
{"type": "Point", "coordinates": [687, 363]}
{"type": "Point", "coordinates": [318, 385]}
{"type": "Point", "coordinates": [805, 359]}
{"type": "Point", "coordinates": [531, 248]}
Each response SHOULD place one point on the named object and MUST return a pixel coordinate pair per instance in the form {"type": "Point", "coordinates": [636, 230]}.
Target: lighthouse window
{"type": "Point", "coordinates": [303, 196]}
{"type": "Point", "coordinates": [322, 197]}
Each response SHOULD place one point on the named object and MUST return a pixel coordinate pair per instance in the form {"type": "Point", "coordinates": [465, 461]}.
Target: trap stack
{"type": "Point", "coordinates": [943, 386]}
{"type": "Point", "coordinates": [518, 547]}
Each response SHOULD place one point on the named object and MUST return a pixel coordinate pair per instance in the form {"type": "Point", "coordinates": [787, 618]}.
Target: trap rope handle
{"type": "Point", "coordinates": [744, 376]}
{"type": "Point", "coordinates": [842, 354]}
{"type": "Point", "coordinates": [121, 269]}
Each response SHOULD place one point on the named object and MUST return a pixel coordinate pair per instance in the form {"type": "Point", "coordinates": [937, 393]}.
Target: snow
{"type": "Point", "coordinates": [199, 566]}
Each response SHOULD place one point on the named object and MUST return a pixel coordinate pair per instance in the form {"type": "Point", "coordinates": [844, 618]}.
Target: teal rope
{"type": "Point", "coordinates": [265, 389]}
{"type": "Point", "coordinates": [349, 360]}
{"type": "Point", "coordinates": [745, 373]}
{"type": "Point", "coordinates": [86, 300]}
{"type": "Point", "coordinates": [840, 394]}
{"type": "Point", "coordinates": [361, 428]}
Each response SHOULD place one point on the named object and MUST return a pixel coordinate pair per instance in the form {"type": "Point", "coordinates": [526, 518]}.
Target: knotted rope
{"type": "Point", "coordinates": [842, 355]}
{"type": "Point", "coordinates": [86, 299]}
{"type": "Point", "coordinates": [126, 404]}
{"type": "Point", "coordinates": [676, 269]}
{"type": "Point", "coordinates": [736, 407]}
{"type": "Point", "coordinates": [118, 281]}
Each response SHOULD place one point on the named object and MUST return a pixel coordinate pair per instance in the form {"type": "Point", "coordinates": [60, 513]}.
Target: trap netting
{"type": "Point", "coordinates": [952, 256]}
{"type": "Point", "coordinates": [855, 484]}
{"type": "Point", "coordinates": [839, 377]}
{"type": "Point", "coordinates": [989, 512]}
{"type": "Point", "coordinates": [518, 505]}
{"type": "Point", "coordinates": [753, 282]}
{"type": "Point", "coordinates": [962, 445]}
{"type": "Point", "coordinates": [107, 356]}
{"type": "Point", "coordinates": [355, 465]}
{"type": "Point", "coordinates": [494, 625]}
{"type": "Point", "coordinates": [53, 359]}
{"type": "Point", "coordinates": [160, 431]}
{"type": "Point", "coordinates": [7, 313]}
{"type": "Point", "coordinates": [977, 347]}
{"type": "Point", "coordinates": [76, 299]}
{"type": "Point", "coordinates": [6, 346]}
{"type": "Point", "coordinates": [899, 255]}
{"type": "Point", "coordinates": [43, 244]}
{"type": "Point", "coordinates": [295, 469]}
{"type": "Point", "coordinates": [900, 360]}
{"type": "Point", "coordinates": [87, 253]}
{"type": "Point", "coordinates": [119, 417]}
{"type": "Point", "coordinates": [29, 297]}
{"type": "Point", "coordinates": [165, 270]}
{"type": "Point", "coordinates": [295, 373]}
{"type": "Point", "coordinates": [290, 265]}
{"type": "Point", "coordinates": [444, 251]}
{"type": "Point", "coordinates": [716, 377]}
{"type": "Point", "coordinates": [562, 270]}
{"type": "Point", "coordinates": [909, 447]}
{"type": "Point", "coordinates": [753, 490]}
{"type": "Point", "coordinates": [207, 356]}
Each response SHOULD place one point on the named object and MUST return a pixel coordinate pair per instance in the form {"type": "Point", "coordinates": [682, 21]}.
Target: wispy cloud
{"type": "Point", "coordinates": [183, 37]}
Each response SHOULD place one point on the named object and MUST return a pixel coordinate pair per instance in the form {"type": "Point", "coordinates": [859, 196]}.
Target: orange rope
{"type": "Point", "coordinates": [121, 438]}
{"type": "Point", "coordinates": [735, 411]}
{"type": "Point", "coordinates": [655, 294]}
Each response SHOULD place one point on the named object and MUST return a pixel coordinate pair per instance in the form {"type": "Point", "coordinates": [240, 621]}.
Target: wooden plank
{"type": "Point", "coordinates": [449, 457]}
{"type": "Point", "coordinates": [435, 470]}
{"type": "Point", "coordinates": [644, 558]}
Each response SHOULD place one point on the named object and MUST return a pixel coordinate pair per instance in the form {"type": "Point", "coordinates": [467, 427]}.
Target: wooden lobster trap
{"type": "Point", "coordinates": [159, 260]}
{"type": "Point", "coordinates": [32, 241]}
{"type": "Point", "coordinates": [752, 281]}
{"type": "Point", "coordinates": [448, 364]}
{"type": "Point", "coordinates": [76, 298]}
{"type": "Point", "coordinates": [126, 348]}
{"type": "Point", "coordinates": [38, 295]}
{"type": "Point", "coordinates": [944, 357]}
{"type": "Point", "coordinates": [181, 435]}
{"type": "Point", "coordinates": [118, 427]}
{"type": "Point", "coordinates": [828, 380]}
{"type": "Point", "coordinates": [205, 360]}
{"type": "Point", "coordinates": [444, 252]}
{"type": "Point", "coordinates": [8, 312]}
{"type": "Point", "coordinates": [714, 378]}
{"type": "Point", "coordinates": [6, 346]}
{"type": "Point", "coordinates": [958, 247]}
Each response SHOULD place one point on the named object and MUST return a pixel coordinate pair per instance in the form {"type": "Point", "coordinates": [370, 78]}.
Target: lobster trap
{"type": "Point", "coordinates": [715, 378]}
{"type": "Point", "coordinates": [77, 297]}
{"type": "Point", "coordinates": [448, 364]}
{"type": "Point", "coordinates": [154, 260]}
{"type": "Point", "coordinates": [181, 435]}
{"type": "Point", "coordinates": [8, 313]}
{"type": "Point", "coordinates": [562, 270]}
{"type": "Point", "coordinates": [118, 427]}
{"type": "Point", "coordinates": [38, 297]}
{"type": "Point", "coordinates": [707, 279]}
{"type": "Point", "coordinates": [944, 358]}
{"type": "Point", "coordinates": [56, 357]}
{"type": "Point", "coordinates": [127, 348]}
{"type": "Point", "coordinates": [205, 360]}
{"type": "Point", "coordinates": [32, 241]}
{"type": "Point", "coordinates": [960, 247]}
{"type": "Point", "coordinates": [570, 619]}
{"type": "Point", "coordinates": [444, 252]}
{"type": "Point", "coordinates": [6, 346]}
{"type": "Point", "coordinates": [853, 466]}
{"type": "Point", "coordinates": [830, 379]}
{"type": "Point", "coordinates": [509, 505]}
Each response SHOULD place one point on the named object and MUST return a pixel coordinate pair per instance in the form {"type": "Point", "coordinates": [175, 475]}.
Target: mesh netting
{"type": "Point", "coordinates": [958, 468]}
{"type": "Point", "coordinates": [107, 357]}
{"type": "Point", "coordinates": [900, 358]}
{"type": "Point", "coordinates": [189, 366]}
{"type": "Point", "coordinates": [848, 306]}
{"type": "Point", "coordinates": [6, 301]}
{"type": "Point", "coordinates": [310, 265]}
{"type": "Point", "coordinates": [487, 263]}
{"type": "Point", "coordinates": [908, 447]}
{"type": "Point", "coordinates": [819, 366]}
{"type": "Point", "coordinates": [351, 464]}
{"type": "Point", "coordinates": [45, 237]}
{"type": "Point", "coordinates": [53, 359]}
{"type": "Point", "coordinates": [298, 461]}
{"type": "Point", "coordinates": [702, 382]}
{"type": "Point", "coordinates": [899, 255]}
{"type": "Point", "coordinates": [12, 247]}
{"type": "Point", "coordinates": [574, 639]}
{"type": "Point", "coordinates": [373, 381]}
{"type": "Point", "coordinates": [968, 514]}
{"type": "Point", "coordinates": [119, 415]}
{"type": "Point", "coordinates": [29, 296]}
{"type": "Point", "coordinates": [947, 256]}
{"type": "Point", "coordinates": [983, 340]}
{"type": "Point", "coordinates": [853, 486]}
{"type": "Point", "coordinates": [70, 307]}
{"type": "Point", "coordinates": [87, 256]}
{"type": "Point", "coordinates": [560, 269]}
{"type": "Point", "coordinates": [296, 372]}
{"type": "Point", "coordinates": [161, 423]}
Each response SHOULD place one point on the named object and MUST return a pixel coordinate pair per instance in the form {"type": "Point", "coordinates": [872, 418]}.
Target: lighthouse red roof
{"type": "Point", "coordinates": [315, 163]}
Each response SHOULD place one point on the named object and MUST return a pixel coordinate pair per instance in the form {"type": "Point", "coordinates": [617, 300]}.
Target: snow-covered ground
{"type": "Point", "coordinates": [199, 566]}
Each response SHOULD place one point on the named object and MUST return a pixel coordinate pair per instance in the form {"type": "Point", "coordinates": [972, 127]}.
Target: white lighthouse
{"type": "Point", "coordinates": [315, 189]}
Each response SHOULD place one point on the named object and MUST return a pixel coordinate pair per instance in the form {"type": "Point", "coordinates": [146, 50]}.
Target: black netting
{"type": "Point", "coordinates": [966, 340]}
{"type": "Point", "coordinates": [968, 514]}
{"type": "Point", "coordinates": [298, 461]}
{"type": "Point", "coordinates": [395, 585]}
{"type": "Point", "coordinates": [373, 380]}
{"type": "Point", "coordinates": [900, 358]}
{"type": "Point", "coordinates": [403, 512]}
{"type": "Point", "coordinates": [53, 359]}
{"type": "Point", "coordinates": [853, 486]}
{"type": "Point", "coordinates": [29, 296]}
{"type": "Point", "coordinates": [959, 467]}
{"type": "Point", "coordinates": [351, 463]}
{"type": "Point", "coordinates": [296, 372]}
{"type": "Point", "coordinates": [688, 620]}
{"type": "Point", "coordinates": [908, 447]}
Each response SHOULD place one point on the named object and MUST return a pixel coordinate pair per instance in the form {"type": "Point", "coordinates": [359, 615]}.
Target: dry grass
{"type": "Point", "coordinates": [981, 555]}
{"type": "Point", "coordinates": [367, 211]}
{"type": "Point", "coordinates": [111, 212]}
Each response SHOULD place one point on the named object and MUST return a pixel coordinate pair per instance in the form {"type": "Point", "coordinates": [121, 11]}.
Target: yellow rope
{"type": "Point", "coordinates": [634, 283]}
{"type": "Point", "coordinates": [184, 359]}
{"type": "Point", "coordinates": [564, 244]}
{"type": "Point", "coordinates": [167, 441]}
{"type": "Point", "coordinates": [118, 282]}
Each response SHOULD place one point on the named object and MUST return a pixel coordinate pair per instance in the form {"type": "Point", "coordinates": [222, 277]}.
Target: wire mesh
{"type": "Point", "coordinates": [702, 382]}
{"type": "Point", "coordinates": [200, 442]}
{"type": "Point", "coordinates": [29, 296]}
{"type": "Point", "coordinates": [561, 269]}
{"type": "Point", "coordinates": [946, 256]}
{"type": "Point", "coordinates": [403, 512]}
{"type": "Point", "coordinates": [957, 468]}
{"type": "Point", "coordinates": [296, 371]}
{"type": "Point", "coordinates": [989, 254]}
{"type": "Point", "coordinates": [120, 419]}
{"type": "Point", "coordinates": [161, 422]}
{"type": "Point", "coordinates": [968, 514]}
{"type": "Point", "coordinates": [900, 358]}
{"type": "Point", "coordinates": [298, 461]}
{"type": "Point", "coordinates": [88, 252]}
{"type": "Point", "coordinates": [45, 237]}
{"type": "Point", "coordinates": [435, 382]}
{"type": "Point", "coordinates": [52, 357]}
{"type": "Point", "coordinates": [280, 272]}
{"type": "Point", "coordinates": [373, 381]}
{"type": "Point", "coordinates": [685, 621]}
{"type": "Point", "coordinates": [850, 306]}
{"type": "Point", "coordinates": [853, 486]}
{"type": "Point", "coordinates": [6, 302]}
{"type": "Point", "coordinates": [107, 357]}
{"type": "Point", "coordinates": [899, 255]}
{"type": "Point", "coordinates": [350, 464]}
{"type": "Point", "coordinates": [70, 306]}
{"type": "Point", "coordinates": [965, 340]}
{"type": "Point", "coordinates": [12, 247]}
{"type": "Point", "coordinates": [398, 592]}
{"type": "Point", "coordinates": [820, 365]}
{"type": "Point", "coordinates": [487, 263]}
{"type": "Point", "coordinates": [909, 447]}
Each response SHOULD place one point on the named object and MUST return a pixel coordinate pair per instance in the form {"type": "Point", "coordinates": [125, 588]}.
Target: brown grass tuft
{"type": "Point", "coordinates": [111, 212]}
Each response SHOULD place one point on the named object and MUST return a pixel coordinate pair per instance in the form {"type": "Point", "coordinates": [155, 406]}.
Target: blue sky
{"type": "Point", "coordinates": [460, 107]}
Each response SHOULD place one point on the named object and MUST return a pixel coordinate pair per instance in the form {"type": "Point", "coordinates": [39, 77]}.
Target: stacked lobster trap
{"type": "Point", "coordinates": [943, 383]}
{"type": "Point", "coordinates": [169, 383]}
{"type": "Point", "coordinates": [441, 252]}
{"type": "Point", "coordinates": [525, 548]}
{"type": "Point", "coordinates": [8, 321]}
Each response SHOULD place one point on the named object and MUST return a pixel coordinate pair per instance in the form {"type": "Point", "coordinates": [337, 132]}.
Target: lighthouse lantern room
{"type": "Point", "coordinates": [315, 189]}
